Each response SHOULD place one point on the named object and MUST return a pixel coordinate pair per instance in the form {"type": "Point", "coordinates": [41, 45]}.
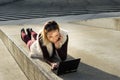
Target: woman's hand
{"type": "Point", "coordinates": [54, 66]}
{"type": "Point", "coordinates": [58, 43]}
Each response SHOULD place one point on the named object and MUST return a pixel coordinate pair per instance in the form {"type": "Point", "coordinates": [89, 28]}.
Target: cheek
{"type": "Point", "coordinates": [50, 39]}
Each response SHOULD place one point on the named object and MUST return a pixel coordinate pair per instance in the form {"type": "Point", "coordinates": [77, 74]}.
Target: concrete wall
{"type": "Point", "coordinates": [109, 23]}
{"type": "Point", "coordinates": [34, 69]}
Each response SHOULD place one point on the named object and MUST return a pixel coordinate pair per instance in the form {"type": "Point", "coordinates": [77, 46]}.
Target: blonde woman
{"type": "Point", "coordinates": [50, 42]}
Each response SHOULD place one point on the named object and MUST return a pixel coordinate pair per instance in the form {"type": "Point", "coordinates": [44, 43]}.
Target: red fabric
{"type": "Point", "coordinates": [27, 39]}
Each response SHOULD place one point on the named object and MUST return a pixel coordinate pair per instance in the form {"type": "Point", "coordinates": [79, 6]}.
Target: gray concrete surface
{"type": "Point", "coordinates": [34, 69]}
{"type": "Point", "coordinates": [3, 2]}
{"type": "Point", "coordinates": [98, 47]}
{"type": "Point", "coordinates": [9, 69]}
{"type": "Point", "coordinates": [109, 23]}
{"type": "Point", "coordinates": [68, 18]}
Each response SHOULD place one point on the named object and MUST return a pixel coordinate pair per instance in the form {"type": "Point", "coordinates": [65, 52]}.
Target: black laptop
{"type": "Point", "coordinates": [67, 66]}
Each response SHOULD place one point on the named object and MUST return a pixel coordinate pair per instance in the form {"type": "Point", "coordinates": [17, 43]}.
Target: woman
{"type": "Point", "coordinates": [51, 42]}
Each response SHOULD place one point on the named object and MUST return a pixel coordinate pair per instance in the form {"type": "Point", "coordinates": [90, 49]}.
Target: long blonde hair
{"type": "Point", "coordinates": [48, 26]}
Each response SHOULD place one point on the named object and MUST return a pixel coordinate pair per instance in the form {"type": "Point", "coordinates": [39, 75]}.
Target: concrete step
{"type": "Point", "coordinates": [6, 2]}
{"type": "Point", "coordinates": [9, 69]}
{"type": "Point", "coordinates": [12, 15]}
{"type": "Point", "coordinates": [34, 69]}
{"type": "Point", "coordinates": [27, 9]}
{"type": "Point", "coordinates": [27, 15]}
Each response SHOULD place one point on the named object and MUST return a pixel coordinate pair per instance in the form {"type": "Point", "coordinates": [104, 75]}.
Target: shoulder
{"type": "Point", "coordinates": [63, 32]}
{"type": "Point", "coordinates": [64, 35]}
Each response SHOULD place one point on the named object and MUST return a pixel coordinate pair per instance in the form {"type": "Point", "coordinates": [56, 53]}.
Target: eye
{"type": "Point", "coordinates": [56, 35]}
{"type": "Point", "coordinates": [49, 36]}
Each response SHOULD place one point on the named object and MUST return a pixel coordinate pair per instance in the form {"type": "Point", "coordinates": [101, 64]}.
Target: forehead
{"type": "Point", "coordinates": [53, 33]}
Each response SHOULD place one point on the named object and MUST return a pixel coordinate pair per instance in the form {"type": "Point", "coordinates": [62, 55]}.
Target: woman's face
{"type": "Point", "coordinates": [53, 36]}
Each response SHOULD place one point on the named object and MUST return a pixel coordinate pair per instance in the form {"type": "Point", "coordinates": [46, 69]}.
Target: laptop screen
{"type": "Point", "coordinates": [68, 66]}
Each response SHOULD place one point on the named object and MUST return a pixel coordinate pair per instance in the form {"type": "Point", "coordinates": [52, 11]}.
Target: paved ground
{"type": "Point", "coordinates": [98, 47]}
{"type": "Point", "coordinates": [9, 70]}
